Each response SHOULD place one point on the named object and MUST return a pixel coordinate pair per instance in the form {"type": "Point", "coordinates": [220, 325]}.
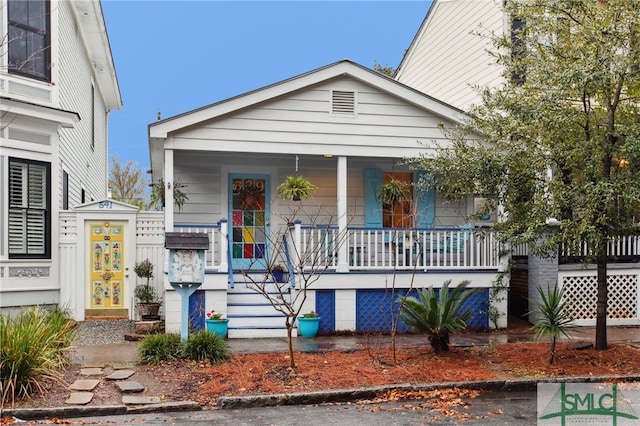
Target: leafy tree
{"type": "Point", "coordinates": [126, 182]}
{"type": "Point", "coordinates": [387, 70]}
{"type": "Point", "coordinates": [561, 140]}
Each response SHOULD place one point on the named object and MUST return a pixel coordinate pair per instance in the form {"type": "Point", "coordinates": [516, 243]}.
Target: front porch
{"type": "Point", "coordinates": [358, 280]}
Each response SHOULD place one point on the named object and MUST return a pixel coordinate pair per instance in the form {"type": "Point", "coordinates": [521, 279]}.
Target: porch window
{"type": "Point", "coordinates": [29, 209]}
{"type": "Point", "coordinates": [418, 210]}
{"type": "Point", "coordinates": [399, 213]}
{"type": "Point", "coordinates": [29, 38]}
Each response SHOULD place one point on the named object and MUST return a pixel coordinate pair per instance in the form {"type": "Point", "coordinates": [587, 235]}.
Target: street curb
{"type": "Point", "coordinates": [302, 398]}
{"type": "Point", "coordinates": [349, 395]}
{"type": "Point", "coordinates": [97, 410]}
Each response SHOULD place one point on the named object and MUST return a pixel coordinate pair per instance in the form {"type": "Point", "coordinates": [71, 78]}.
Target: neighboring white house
{"type": "Point", "coordinates": [447, 58]}
{"type": "Point", "coordinates": [57, 85]}
{"type": "Point", "coordinates": [347, 129]}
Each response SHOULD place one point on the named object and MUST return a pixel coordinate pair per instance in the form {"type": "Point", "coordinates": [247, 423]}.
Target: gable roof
{"type": "Point", "coordinates": [161, 129]}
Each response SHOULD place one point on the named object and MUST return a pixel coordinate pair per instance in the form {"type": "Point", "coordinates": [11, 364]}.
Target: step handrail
{"type": "Point", "coordinates": [292, 278]}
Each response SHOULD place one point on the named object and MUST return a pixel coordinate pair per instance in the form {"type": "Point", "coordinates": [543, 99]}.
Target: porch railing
{"type": "Point", "coordinates": [371, 249]}
{"type": "Point", "coordinates": [215, 255]}
{"type": "Point", "coordinates": [402, 249]}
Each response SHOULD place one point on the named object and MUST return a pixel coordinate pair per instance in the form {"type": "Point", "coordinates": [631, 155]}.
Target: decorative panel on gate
{"type": "Point", "coordinates": [326, 307]}
{"type": "Point", "coordinates": [373, 310]}
{"type": "Point", "coordinates": [581, 293]}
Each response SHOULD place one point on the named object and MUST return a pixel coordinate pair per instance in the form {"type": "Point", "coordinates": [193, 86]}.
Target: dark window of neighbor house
{"type": "Point", "coordinates": [65, 191]}
{"type": "Point", "coordinates": [29, 209]}
{"type": "Point", "coordinates": [93, 117]}
{"type": "Point", "coordinates": [29, 38]}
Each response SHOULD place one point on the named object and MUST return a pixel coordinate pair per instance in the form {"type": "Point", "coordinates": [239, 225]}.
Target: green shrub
{"type": "Point", "coordinates": [32, 348]}
{"type": "Point", "coordinates": [199, 346]}
{"type": "Point", "coordinates": [204, 345]}
{"type": "Point", "coordinates": [552, 319]}
{"type": "Point", "coordinates": [160, 347]}
{"type": "Point", "coordinates": [438, 315]}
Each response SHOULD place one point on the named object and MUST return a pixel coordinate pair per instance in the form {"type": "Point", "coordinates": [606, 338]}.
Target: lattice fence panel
{"type": "Point", "coordinates": [581, 293]}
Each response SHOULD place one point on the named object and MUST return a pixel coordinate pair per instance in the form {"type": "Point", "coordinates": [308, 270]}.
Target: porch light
{"type": "Point", "coordinates": [328, 155]}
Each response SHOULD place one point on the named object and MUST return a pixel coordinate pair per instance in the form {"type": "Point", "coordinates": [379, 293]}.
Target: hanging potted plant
{"type": "Point", "coordinates": [296, 188]}
{"type": "Point", "coordinates": [395, 191]}
{"type": "Point", "coordinates": [157, 198]}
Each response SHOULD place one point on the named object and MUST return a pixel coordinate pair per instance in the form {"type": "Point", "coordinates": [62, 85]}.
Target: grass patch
{"type": "Point", "coordinates": [32, 348]}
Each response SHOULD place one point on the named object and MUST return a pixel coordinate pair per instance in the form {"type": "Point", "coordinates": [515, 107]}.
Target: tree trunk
{"type": "Point", "coordinates": [601, 304]}
{"type": "Point", "coordinates": [292, 361]}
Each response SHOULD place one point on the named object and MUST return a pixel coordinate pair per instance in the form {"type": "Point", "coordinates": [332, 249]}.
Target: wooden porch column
{"type": "Point", "coordinates": [343, 264]}
{"type": "Point", "coordinates": [168, 190]}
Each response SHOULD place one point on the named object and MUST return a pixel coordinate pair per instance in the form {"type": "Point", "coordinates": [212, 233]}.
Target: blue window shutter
{"type": "Point", "coordinates": [425, 202]}
{"type": "Point", "coordinates": [372, 205]}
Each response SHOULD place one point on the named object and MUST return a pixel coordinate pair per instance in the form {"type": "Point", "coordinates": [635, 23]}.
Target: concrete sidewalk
{"type": "Point", "coordinates": [126, 352]}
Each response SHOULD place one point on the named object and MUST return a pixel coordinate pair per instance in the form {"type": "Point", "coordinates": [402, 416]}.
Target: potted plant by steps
{"type": "Point", "coordinates": [296, 188]}
{"type": "Point", "coordinates": [216, 323]}
{"type": "Point", "coordinates": [149, 303]}
{"type": "Point", "coordinates": [278, 273]}
{"type": "Point", "coordinates": [308, 324]}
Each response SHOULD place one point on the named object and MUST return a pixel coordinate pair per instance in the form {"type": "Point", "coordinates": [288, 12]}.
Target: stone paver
{"type": "Point", "coordinates": [84, 385]}
{"type": "Point", "coordinates": [120, 375]}
{"type": "Point", "coordinates": [92, 371]}
{"type": "Point", "coordinates": [140, 400]}
{"type": "Point", "coordinates": [79, 398]}
{"type": "Point", "coordinates": [93, 365]}
{"type": "Point", "coordinates": [130, 386]}
{"type": "Point", "coordinates": [123, 366]}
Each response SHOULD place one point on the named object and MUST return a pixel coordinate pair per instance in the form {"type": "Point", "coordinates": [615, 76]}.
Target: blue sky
{"type": "Point", "coordinates": [175, 56]}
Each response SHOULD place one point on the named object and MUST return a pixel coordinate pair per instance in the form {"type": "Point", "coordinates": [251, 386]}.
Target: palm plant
{"type": "Point", "coordinates": [438, 315]}
{"type": "Point", "coordinates": [551, 318]}
{"type": "Point", "coordinates": [157, 198]}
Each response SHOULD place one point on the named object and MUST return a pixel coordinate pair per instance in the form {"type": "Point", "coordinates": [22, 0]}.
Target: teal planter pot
{"type": "Point", "coordinates": [308, 327]}
{"type": "Point", "coordinates": [219, 327]}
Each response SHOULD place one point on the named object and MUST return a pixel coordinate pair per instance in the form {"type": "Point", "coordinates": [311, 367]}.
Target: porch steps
{"type": "Point", "coordinates": [251, 315]}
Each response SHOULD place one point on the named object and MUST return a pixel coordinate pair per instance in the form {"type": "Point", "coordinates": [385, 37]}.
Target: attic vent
{"type": "Point", "coordinates": [343, 102]}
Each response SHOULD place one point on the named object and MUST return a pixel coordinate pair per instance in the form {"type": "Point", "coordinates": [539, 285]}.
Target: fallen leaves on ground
{"type": "Point", "coordinates": [269, 373]}
{"type": "Point", "coordinates": [265, 373]}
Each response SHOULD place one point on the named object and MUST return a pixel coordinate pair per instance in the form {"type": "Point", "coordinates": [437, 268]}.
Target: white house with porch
{"type": "Point", "coordinates": [346, 129]}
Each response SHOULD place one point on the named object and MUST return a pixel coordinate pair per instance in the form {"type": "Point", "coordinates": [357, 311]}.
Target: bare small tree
{"type": "Point", "coordinates": [126, 182]}
{"type": "Point", "coordinates": [304, 264]}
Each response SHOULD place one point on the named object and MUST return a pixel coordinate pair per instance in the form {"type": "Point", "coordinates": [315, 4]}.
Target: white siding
{"type": "Point", "coordinates": [87, 167]}
{"type": "Point", "coordinates": [302, 123]}
{"type": "Point", "coordinates": [447, 58]}
{"type": "Point", "coordinates": [45, 127]}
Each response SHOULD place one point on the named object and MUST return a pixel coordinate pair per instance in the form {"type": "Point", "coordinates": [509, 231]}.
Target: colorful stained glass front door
{"type": "Point", "coordinates": [107, 270]}
{"type": "Point", "coordinates": [249, 220]}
